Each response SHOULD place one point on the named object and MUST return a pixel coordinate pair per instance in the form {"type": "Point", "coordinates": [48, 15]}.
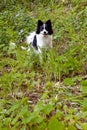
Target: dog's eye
{"type": "Point", "coordinates": [42, 28]}
{"type": "Point", "coordinates": [46, 28]}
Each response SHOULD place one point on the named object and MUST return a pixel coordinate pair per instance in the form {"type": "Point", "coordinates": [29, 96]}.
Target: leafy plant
{"type": "Point", "coordinates": [49, 92]}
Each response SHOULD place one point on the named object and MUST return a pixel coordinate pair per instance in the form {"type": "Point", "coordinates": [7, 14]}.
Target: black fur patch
{"type": "Point", "coordinates": [34, 43]}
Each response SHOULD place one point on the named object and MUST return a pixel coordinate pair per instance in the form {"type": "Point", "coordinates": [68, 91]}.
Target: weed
{"type": "Point", "coordinates": [51, 93]}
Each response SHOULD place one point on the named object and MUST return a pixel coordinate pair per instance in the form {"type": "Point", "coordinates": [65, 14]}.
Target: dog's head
{"type": "Point", "coordinates": [44, 28]}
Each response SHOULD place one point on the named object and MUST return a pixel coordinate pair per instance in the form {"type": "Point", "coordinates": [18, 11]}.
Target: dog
{"type": "Point", "coordinates": [41, 38]}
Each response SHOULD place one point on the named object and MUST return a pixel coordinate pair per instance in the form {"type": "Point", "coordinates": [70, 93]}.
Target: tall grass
{"type": "Point", "coordinates": [49, 92]}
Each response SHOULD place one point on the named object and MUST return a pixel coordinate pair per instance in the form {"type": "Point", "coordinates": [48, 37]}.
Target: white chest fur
{"type": "Point", "coordinates": [44, 41]}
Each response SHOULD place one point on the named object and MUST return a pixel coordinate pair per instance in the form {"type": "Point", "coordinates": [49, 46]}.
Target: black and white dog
{"type": "Point", "coordinates": [42, 37]}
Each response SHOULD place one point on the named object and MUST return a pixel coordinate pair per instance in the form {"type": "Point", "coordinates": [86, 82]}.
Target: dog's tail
{"type": "Point", "coordinates": [29, 40]}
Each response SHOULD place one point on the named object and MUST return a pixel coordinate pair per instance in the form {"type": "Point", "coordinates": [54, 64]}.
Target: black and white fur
{"type": "Point", "coordinates": [42, 37]}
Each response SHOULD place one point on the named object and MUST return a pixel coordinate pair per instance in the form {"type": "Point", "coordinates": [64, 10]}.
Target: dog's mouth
{"type": "Point", "coordinates": [44, 34]}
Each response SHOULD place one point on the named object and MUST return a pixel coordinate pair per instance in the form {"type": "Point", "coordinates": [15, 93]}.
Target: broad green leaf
{"type": "Point", "coordinates": [84, 82]}
{"type": "Point", "coordinates": [84, 126]}
{"type": "Point", "coordinates": [24, 111]}
{"type": "Point", "coordinates": [47, 108]}
{"type": "Point", "coordinates": [38, 119]}
{"type": "Point", "coordinates": [68, 81]}
{"type": "Point", "coordinates": [31, 117]}
{"type": "Point", "coordinates": [27, 120]}
{"type": "Point", "coordinates": [84, 104]}
{"type": "Point", "coordinates": [84, 89]}
{"type": "Point", "coordinates": [71, 127]}
{"type": "Point", "coordinates": [49, 84]}
{"type": "Point", "coordinates": [84, 86]}
{"type": "Point", "coordinates": [38, 107]}
{"type": "Point", "coordinates": [13, 107]}
{"type": "Point", "coordinates": [41, 126]}
{"type": "Point", "coordinates": [58, 114]}
{"type": "Point", "coordinates": [54, 124]}
{"type": "Point", "coordinates": [84, 114]}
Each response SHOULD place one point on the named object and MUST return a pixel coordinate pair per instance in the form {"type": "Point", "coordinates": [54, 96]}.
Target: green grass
{"type": "Point", "coordinates": [51, 93]}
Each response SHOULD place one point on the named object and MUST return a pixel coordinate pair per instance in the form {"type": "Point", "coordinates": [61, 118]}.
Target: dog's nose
{"type": "Point", "coordinates": [44, 32]}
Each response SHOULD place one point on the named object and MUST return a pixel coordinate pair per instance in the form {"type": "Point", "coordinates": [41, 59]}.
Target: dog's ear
{"type": "Point", "coordinates": [48, 22]}
{"type": "Point", "coordinates": [40, 23]}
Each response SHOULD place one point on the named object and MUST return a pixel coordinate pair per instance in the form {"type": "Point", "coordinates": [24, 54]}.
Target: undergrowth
{"type": "Point", "coordinates": [51, 92]}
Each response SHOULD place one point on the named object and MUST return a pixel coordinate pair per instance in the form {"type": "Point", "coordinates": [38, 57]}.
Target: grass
{"type": "Point", "coordinates": [51, 94]}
